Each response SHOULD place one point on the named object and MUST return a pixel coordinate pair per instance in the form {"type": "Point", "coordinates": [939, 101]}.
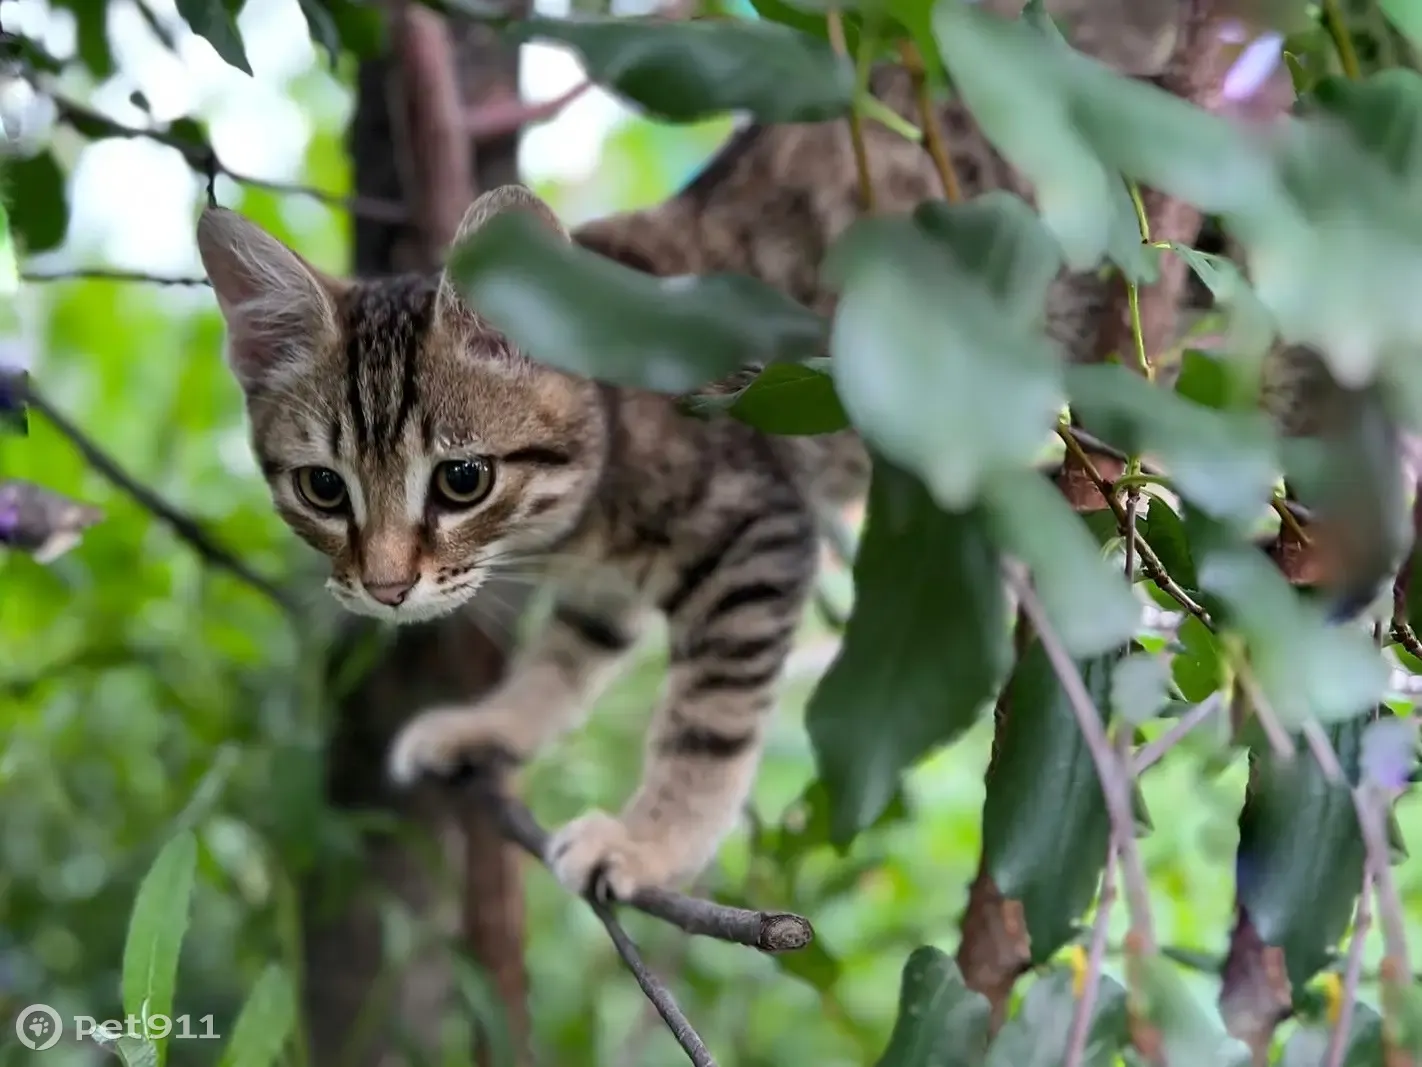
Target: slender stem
{"type": "Point", "coordinates": [1372, 822]}
{"type": "Point", "coordinates": [1153, 752]}
{"type": "Point", "coordinates": [203, 159]}
{"type": "Point", "coordinates": [1289, 521]}
{"type": "Point", "coordinates": [834, 25]}
{"type": "Point", "coordinates": [767, 931]}
{"type": "Point", "coordinates": [928, 121]}
{"type": "Point", "coordinates": [1096, 955]}
{"type": "Point", "coordinates": [656, 992]}
{"type": "Point", "coordinates": [104, 274]}
{"type": "Point", "coordinates": [1150, 562]}
{"type": "Point", "coordinates": [1352, 973]}
{"type": "Point", "coordinates": [1112, 773]}
{"type": "Point", "coordinates": [1337, 27]}
{"type": "Point", "coordinates": [1279, 739]}
{"type": "Point", "coordinates": [182, 524]}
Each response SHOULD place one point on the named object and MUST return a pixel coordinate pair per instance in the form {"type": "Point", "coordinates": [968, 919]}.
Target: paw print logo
{"type": "Point", "coordinates": [38, 1027]}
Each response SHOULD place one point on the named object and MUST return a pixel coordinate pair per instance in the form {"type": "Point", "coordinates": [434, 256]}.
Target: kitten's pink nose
{"type": "Point", "coordinates": [389, 593]}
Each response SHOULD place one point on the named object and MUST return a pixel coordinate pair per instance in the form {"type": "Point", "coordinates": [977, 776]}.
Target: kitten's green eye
{"type": "Point", "coordinates": [462, 483]}
{"type": "Point", "coordinates": [322, 488]}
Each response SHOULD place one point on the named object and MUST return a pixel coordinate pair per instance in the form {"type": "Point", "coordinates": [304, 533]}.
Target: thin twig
{"type": "Point", "coordinates": [769, 932]}
{"type": "Point", "coordinates": [1092, 443]}
{"type": "Point", "coordinates": [657, 993]}
{"type": "Point", "coordinates": [834, 26]}
{"type": "Point", "coordinates": [1352, 973]}
{"type": "Point", "coordinates": [185, 526]}
{"type": "Point", "coordinates": [928, 119]}
{"type": "Point", "coordinates": [104, 274]}
{"type": "Point", "coordinates": [1379, 861]}
{"type": "Point", "coordinates": [1337, 27]}
{"type": "Point", "coordinates": [1289, 520]}
{"type": "Point", "coordinates": [203, 159]}
{"type": "Point", "coordinates": [1279, 739]}
{"type": "Point", "coordinates": [1113, 775]}
{"type": "Point", "coordinates": [766, 931]}
{"type": "Point", "coordinates": [1405, 636]}
{"type": "Point", "coordinates": [1096, 955]}
{"type": "Point", "coordinates": [502, 117]}
{"type": "Point", "coordinates": [1150, 562]}
{"type": "Point", "coordinates": [1152, 753]}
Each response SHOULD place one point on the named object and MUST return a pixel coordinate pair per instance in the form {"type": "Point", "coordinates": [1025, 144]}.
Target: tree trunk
{"type": "Point", "coordinates": [362, 1008]}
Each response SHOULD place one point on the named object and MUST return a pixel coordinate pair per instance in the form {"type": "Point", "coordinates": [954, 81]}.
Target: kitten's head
{"type": "Point", "coordinates": [400, 435]}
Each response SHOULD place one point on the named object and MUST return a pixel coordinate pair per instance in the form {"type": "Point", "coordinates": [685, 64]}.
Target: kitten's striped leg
{"type": "Point", "coordinates": [732, 621]}
{"type": "Point", "coordinates": [549, 689]}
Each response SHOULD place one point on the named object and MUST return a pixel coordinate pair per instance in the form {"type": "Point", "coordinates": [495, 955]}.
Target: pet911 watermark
{"type": "Point", "coordinates": [40, 1027]}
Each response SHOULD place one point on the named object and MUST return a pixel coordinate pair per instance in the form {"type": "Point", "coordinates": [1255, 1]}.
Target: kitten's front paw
{"type": "Point", "coordinates": [452, 744]}
{"type": "Point", "coordinates": [596, 853]}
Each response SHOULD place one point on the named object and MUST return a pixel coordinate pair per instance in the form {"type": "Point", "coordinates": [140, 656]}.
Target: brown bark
{"type": "Point", "coordinates": [408, 141]}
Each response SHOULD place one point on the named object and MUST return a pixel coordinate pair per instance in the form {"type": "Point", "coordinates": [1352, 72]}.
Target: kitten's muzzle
{"type": "Point", "coordinates": [391, 594]}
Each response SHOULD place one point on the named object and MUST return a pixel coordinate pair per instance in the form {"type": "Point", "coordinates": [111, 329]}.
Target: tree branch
{"type": "Point", "coordinates": [105, 274]}
{"type": "Point", "coordinates": [185, 526]}
{"type": "Point", "coordinates": [1150, 562]}
{"type": "Point", "coordinates": [766, 931]}
{"type": "Point", "coordinates": [503, 117]}
{"type": "Point", "coordinates": [203, 159]}
{"type": "Point", "coordinates": [1113, 774]}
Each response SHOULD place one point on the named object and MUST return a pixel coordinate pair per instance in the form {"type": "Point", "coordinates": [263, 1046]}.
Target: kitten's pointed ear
{"type": "Point", "coordinates": [498, 201]}
{"type": "Point", "coordinates": [280, 311]}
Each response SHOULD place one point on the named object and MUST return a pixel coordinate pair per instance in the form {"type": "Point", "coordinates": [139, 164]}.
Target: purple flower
{"type": "Point", "coordinates": [1389, 752]}
{"type": "Point", "coordinates": [1259, 59]}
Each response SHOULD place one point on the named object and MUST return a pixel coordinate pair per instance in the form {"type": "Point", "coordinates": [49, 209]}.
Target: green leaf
{"type": "Point", "coordinates": [1190, 1032]}
{"type": "Point", "coordinates": [785, 398]}
{"type": "Point", "coordinates": [1037, 1036]}
{"type": "Point", "coordinates": [9, 265]}
{"type": "Point", "coordinates": [685, 71]}
{"type": "Point", "coordinates": [135, 1052]}
{"type": "Point", "coordinates": [1125, 246]}
{"type": "Point", "coordinates": [481, 996]}
{"type": "Point", "coordinates": [1309, 1045]}
{"type": "Point", "coordinates": [211, 20]}
{"type": "Point", "coordinates": [1056, 116]}
{"type": "Point", "coordinates": [1251, 325]}
{"type": "Point", "coordinates": [265, 1023]}
{"type": "Point", "coordinates": [92, 36]}
{"type": "Point", "coordinates": [1140, 687]}
{"type": "Point", "coordinates": [807, 825]}
{"type": "Point", "coordinates": [1045, 828]}
{"type": "Point", "coordinates": [921, 655]}
{"type": "Point", "coordinates": [39, 206]}
{"type": "Point", "coordinates": [155, 930]}
{"type": "Point", "coordinates": [1406, 15]}
{"type": "Point", "coordinates": [1223, 462]}
{"type": "Point", "coordinates": [941, 1022]}
{"type": "Point", "coordinates": [583, 313]}
{"type": "Point", "coordinates": [939, 355]}
{"type": "Point", "coordinates": [1088, 601]}
{"type": "Point", "coordinates": [324, 31]}
{"type": "Point", "coordinates": [1300, 858]}
{"type": "Point", "coordinates": [1198, 668]}
{"type": "Point", "coordinates": [1163, 530]}
{"type": "Point", "coordinates": [1306, 666]}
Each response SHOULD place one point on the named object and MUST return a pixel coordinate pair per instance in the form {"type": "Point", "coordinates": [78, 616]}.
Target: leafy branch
{"type": "Point", "coordinates": [203, 158]}
{"type": "Point", "coordinates": [183, 525]}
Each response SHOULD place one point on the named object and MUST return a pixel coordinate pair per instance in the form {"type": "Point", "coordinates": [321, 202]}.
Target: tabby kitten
{"type": "Point", "coordinates": [411, 443]}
